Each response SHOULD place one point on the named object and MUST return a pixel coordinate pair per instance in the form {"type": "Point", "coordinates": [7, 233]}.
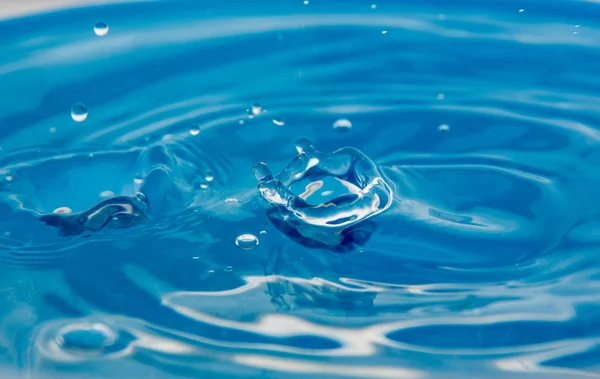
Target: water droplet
{"type": "Point", "coordinates": [86, 336]}
{"type": "Point", "coordinates": [577, 26]}
{"type": "Point", "coordinates": [101, 29]}
{"type": "Point", "coordinates": [278, 121]}
{"type": "Point", "coordinates": [305, 2]}
{"type": "Point", "coordinates": [52, 130]}
{"type": "Point", "coordinates": [384, 32]}
{"type": "Point", "coordinates": [373, 6]}
{"type": "Point", "coordinates": [79, 112]}
{"type": "Point", "coordinates": [575, 33]}
{"type": "Point", "coordinates": [444, 127]}
{"type": "Point", "coordinates": [261, 171]}
{"type": "Point", "coordinates": [246, 241]}
{"type": "Point", "coordinates": [107, 194]}
{"type": "Point", "coordinates": [204, 185]}
{"type": "Point", "coordinates": [231, 200]}
{"type": "Point", "coordinates": [263, 232]}
{"type": "Point", "coordinates": [440, 96]}
{"type": "Point", "coordinates": [63, 210]}
{"type": "Point", "coordinates": [211, 271]}
{"type": "Point", "coordinates": [195, 258]}
{"type": "Point", "coordinates": [521, 10]}
{"type": "Point", "coordinates": [8, 178]}
{"type": "Point", "coordinates": [209, 176]}
{"type": "Point", "coordinates": [228, 269]}
{"type": "Point", "coordinates": [195, 130]}
{"type": "Point", "coordinates": [256, 109]}
{"type": "Point", "coordinates": [241, 122]}
{"type": "Point", "coordinates": [138, 179]}
{"type": "Point", "coordinates": [342, 124]}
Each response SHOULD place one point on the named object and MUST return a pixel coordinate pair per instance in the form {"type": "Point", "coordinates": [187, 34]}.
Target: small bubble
{"type": "Point", "coordinates": [577, 26]}
{"type": "Point", "coordinates": [79, 112]}
{"type": "Point", "coordinates": [228, 269]}
{"type": "Point", "coordinates": [211, 271]}
{"type": "Point", "coordinates": [263, 232]}
{"type": "Point", "coordinates": [204, 185]}
{"type": "Point", "coordinates": [246, 241]}
{"type": "Point", "coordinates": [107, 194]}
{"type": "Point", "coordinates": [521, 10]}
{"type": "Point", "coordinates": [52, 130]}
{"type": "Point", "coordinates": [8, 178]}
{"type": "Point", "coordinates": [373, 6]}
{"type": "Point", "coordinates": [444, 127]}
{"type": "Point", "coordinates": [195, 258]}
{"type": "Point", "coordinates": [63, 210]}
{"type": "Point", "coordinates": [384, 32]}
{"type": "Point", "coordinates": [138, 179]}
{"type": "Point", "coordinates": [440, 96]}
{"type": "Point", "coordinates": [231, 200]}
{"type": "Point", "coordinates": [209, 176]}
{"type": "Point", "coordinates": [305, 2]}
{"type": "Point", "coordinates": [575, 33]}
{"type": "Point", "coordinates": [241, 122]}
{"type": "Point", "coordinates": [195, 130]}
{"type": "Point", "coordinates": [342, 124]}
{"type": "Point", "coordinates": [101, 29]}
{"type": "Point", "coordinates": [278, 121]}
{"type": "Point", "coordinates": [256, 109]}
{"type": "Point", "coordinates": [167, 137]}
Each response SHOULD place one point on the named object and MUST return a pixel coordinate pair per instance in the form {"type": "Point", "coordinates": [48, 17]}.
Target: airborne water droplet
{"type": "Point", "coordinates": [256, 109]}
{"type": "Point", "coordinates": [342, 124]}
{"type": "Point", "coordinates": [138, 179]}
{"type": "Point", "coordinates": [8, 178]}
{"type": "Point", "coordinates": [209, 176]}
{"type": "Point", "coordinates": [246, 241]}
{"type": "Point", "coordinates": [195, 130]}
{"type": "Point", "coordinates": [444, 127]}
{"type": "Point", "coordinates": [278, 121]}
{"type": "Point", "coordinates": [79, 112]}
{"type": "Point", "coordinates": [373, 6]}
{"type": "Point", "coordinates": [101, 29]}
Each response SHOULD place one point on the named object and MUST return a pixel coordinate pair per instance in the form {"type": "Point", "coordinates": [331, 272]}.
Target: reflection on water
{"type": "Point", "coordinates": [439, 217]}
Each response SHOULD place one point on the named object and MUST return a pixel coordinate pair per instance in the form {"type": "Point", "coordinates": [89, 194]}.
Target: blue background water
{"type": "Point", "coordinates": [428, 296]}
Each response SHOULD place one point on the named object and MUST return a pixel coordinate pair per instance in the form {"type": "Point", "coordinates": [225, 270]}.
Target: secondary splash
{"type": "Point", "coordinates": [322, 195]}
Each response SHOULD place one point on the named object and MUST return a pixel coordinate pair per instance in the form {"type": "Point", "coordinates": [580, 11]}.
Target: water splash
{"type": "Point", "coordinates": [115, 212]}
{"type": "Point", "coordinates": [321, 195]}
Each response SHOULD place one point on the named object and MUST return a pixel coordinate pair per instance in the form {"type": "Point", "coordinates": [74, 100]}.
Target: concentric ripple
{"type": "Point", "coordinates": [130, 218]}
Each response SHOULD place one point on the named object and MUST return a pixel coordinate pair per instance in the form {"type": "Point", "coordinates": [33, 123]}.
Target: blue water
{"type": "Point", "coordinates": [152, 226]}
